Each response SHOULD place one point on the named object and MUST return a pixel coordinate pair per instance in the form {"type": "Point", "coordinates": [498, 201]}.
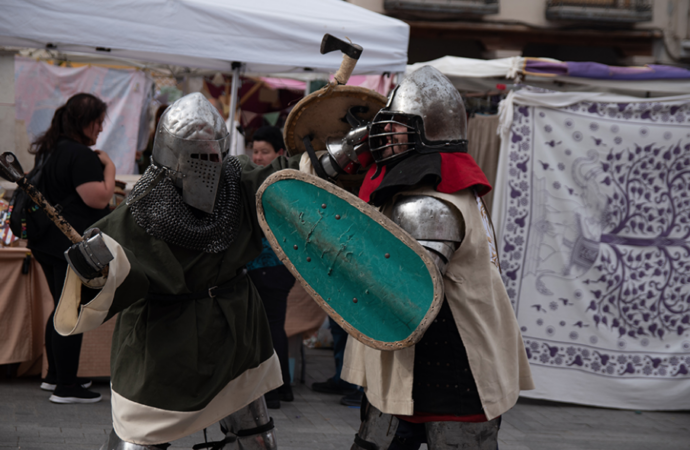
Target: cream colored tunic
{"type": "Point", "coordinates": [484, 317]}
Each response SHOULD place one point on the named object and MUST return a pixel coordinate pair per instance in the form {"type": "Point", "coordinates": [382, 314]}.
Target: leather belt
{"type": "Point", "coordinates": [212, 292]}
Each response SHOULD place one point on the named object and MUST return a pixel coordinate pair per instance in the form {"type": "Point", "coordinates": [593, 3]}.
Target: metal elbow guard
{"type": "Point", "coordinates": [437, 226]}
{"type": "Point", "coordinates": [347, 155]}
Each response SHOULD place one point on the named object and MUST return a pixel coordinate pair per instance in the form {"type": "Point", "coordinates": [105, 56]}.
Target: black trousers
{"type": "Point", "coordinates": [274, 284]}
{"type": "Point", "coordinates": [62, 351]}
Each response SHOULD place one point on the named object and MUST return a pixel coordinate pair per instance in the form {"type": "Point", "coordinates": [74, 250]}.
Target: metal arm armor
{"type": "Point", "coordinates": [347, 155]}
{"type": "Point", "coordinates": [437, 226]}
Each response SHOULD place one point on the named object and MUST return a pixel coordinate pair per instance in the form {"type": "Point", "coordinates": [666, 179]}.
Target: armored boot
{"type": "Point", "coordinates": [377, 429]}
{"type": "Point", "coordinates": [450, 435]}
{"type": "Point", "coordinates": [250, 427]}
{"type": "Point", "coordinates": [115, 443]}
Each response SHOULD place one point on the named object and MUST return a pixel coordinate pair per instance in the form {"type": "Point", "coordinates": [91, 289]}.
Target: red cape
{"type": "Point", "coordinates": [458, 171]}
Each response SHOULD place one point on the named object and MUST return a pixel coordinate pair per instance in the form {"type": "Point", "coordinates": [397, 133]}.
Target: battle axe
{"type": "Point", "coordinates": [351, 53]}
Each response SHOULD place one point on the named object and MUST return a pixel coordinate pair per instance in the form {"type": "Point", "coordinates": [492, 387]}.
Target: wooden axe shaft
{"type": "Point", "coordinates": [52, 214]}
{"type": "Point", "coordinates": [345, 70]}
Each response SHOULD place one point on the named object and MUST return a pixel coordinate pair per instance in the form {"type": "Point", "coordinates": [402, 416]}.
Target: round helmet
{"type": "Point", "coordinates": [191, 141]}
{"type": "Point", "coordinates": [425, 113]}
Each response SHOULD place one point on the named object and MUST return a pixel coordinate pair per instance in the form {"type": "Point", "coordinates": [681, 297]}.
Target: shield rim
{"type": "Point", "coordinates": [294, 119]}
{"type": "Point", "coordinates": [385, 222]}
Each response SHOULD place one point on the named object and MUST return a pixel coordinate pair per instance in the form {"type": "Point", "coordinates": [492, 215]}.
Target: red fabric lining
{"type": "Point", "coordinates": [421, 417]}
{"type": "Point", "coordinates": [369, 185]}
{"type": "Point", "coordinates": [458, 171]}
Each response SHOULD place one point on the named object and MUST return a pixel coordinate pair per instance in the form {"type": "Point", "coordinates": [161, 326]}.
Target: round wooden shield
{"type": "Point", "coordinates": [367, 273]}
{"type": "Point", "coordinates": [321, 115]}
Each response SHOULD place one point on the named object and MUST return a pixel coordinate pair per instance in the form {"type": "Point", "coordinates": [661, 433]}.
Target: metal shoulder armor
{"type": "Point", "coordinates": [437, 226]}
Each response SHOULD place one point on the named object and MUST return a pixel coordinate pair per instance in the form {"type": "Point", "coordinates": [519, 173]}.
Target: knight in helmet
{"type": "Point", "coordinates": [450, 389]}
{"type": "Point", "coordinates": [192, 345]}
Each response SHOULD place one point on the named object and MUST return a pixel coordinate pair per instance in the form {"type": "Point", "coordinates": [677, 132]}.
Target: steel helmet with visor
{"type": "Point", "coordinates": [190, 143]}
{"type": "Point", "coordinates": [425, 113]}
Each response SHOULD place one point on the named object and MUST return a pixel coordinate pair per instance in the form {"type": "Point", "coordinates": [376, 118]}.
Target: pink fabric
{"type": "Point", "coordinates": [382, 84]}
{"type": "Point", "coordinates": [285, 83]}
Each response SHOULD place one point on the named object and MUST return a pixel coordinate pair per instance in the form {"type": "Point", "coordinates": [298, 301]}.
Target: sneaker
{"type": "Point", "coordinates": [285, 393]}
{"type": "Point", "coordinates": [49, 383]}
{"type": "Point", "coordinates": [331, 386]}
{"type": "Point", "coordinates": [354, 399]}
{"type": "Point", "coordinates": [74, 394]}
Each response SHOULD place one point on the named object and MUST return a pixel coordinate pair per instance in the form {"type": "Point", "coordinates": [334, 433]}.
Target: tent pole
{"type": "Point", "coordinates": [8, 109]}
{"type": "Point", "coordinates": [233, 101]}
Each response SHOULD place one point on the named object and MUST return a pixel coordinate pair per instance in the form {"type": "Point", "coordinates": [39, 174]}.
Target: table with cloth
{"type": "Point", "coordinates": [25, 304]}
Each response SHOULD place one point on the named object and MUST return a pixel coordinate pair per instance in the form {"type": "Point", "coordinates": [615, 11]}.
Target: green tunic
{"type": "Point", "coordinates": [178, 355]}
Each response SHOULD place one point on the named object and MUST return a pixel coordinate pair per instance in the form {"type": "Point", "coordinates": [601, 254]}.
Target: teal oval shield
{"type": "Point", "coordinates": [356, 261]}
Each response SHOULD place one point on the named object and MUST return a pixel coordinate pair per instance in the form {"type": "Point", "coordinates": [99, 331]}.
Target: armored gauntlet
{"type": "Point", "coordinates": [89, 257]}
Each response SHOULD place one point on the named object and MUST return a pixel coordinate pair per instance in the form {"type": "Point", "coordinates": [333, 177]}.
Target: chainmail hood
{"type": "Point", "coordinates": [157, 207]}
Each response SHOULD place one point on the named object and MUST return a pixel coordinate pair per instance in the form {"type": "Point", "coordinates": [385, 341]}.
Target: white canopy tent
{"type": "Point", "coordinates": [229, 36]}
{"type": "Point", "coordinates": [267, 36]}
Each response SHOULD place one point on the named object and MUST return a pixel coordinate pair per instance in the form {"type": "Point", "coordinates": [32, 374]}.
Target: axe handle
{"type": "Point", "coordinates": [345, 70]}
{"type": "Point", "coordinates": [52, 214]}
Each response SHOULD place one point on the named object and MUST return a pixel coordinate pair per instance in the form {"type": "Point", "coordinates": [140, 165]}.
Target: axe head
{"type": "Point", "coordinates": [10, 169]}
{"type": "Point", "coordinates": [331, 43]}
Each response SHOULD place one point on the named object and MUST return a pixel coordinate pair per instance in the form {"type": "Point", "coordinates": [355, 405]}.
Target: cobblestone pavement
{"type": "Point", "coordinates": [28, 421]}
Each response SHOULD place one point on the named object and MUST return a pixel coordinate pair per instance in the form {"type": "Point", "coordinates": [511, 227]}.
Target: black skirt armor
{"type": "Point", "coordinates": [443, 381]}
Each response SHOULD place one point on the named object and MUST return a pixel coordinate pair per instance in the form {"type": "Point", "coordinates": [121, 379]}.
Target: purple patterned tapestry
{"type": "Point", "coordinates": [593, 221]}
{"type": "Point", "coordinates": [538, 66]}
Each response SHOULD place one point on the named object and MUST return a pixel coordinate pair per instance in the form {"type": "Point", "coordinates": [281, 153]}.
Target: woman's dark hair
{"type": "Point", "coordinates": [272, 135]}
{"type": "Point", "coordinates": [70, 120]}
{"type": "Point", "coordinates": [159, 113]}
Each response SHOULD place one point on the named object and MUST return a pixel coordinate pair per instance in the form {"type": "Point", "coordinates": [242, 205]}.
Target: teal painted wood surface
{"type": "Point", "coordinates": [344, 259]}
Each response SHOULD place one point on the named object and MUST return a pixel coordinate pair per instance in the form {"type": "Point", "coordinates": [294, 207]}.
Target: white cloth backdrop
{"type": "Point", "coordinates": [592, 208]}
{"type": "Point", "coordinates": [41, 88]}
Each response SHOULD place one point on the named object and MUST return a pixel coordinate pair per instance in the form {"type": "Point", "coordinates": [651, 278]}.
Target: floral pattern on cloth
{"type": "Point", "coordinates": [595, 243]}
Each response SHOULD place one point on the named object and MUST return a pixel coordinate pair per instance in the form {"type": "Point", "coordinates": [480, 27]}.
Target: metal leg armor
{"type": "Point", "coordinates": [250, 427]}
{"type": "Point", "coordinates": [115, 443]}
{"type": "Point", "coordinates": [377, 429]}
{"type": "Point", "coordinates": [452, 435]}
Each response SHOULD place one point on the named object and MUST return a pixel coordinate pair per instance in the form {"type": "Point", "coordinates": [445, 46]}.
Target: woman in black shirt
{"type": "Point", "coordinates": [82, 182]}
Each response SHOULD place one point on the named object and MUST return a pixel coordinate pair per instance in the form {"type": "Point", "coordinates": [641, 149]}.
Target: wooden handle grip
{"type": "Point", "coordinates": [345, 70]}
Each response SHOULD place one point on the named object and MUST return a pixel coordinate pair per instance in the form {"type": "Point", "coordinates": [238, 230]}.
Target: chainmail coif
{"type": "Point", "coordinates": [164, 215]}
